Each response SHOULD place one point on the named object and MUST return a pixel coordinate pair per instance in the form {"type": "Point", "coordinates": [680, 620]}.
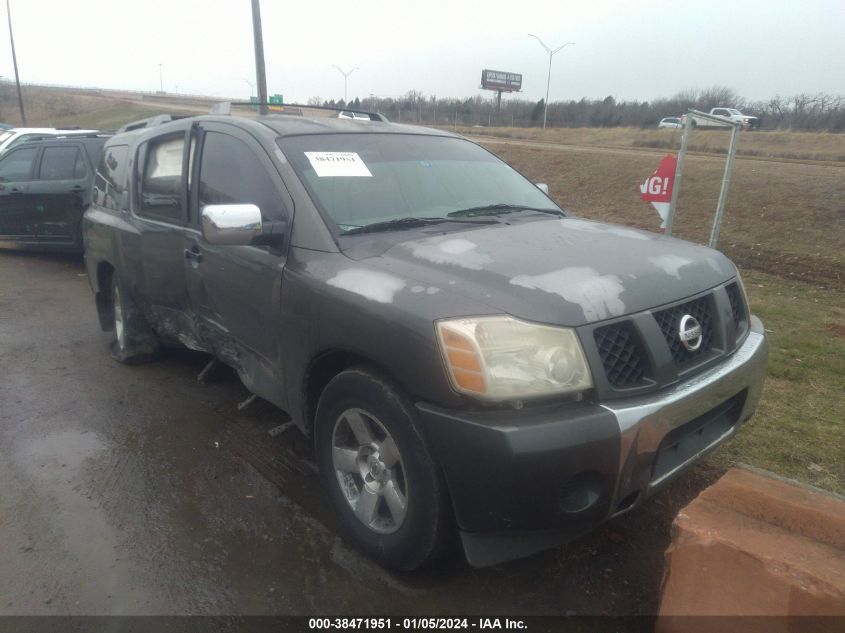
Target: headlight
{"type": "Point", "coordinates": [502, 358]}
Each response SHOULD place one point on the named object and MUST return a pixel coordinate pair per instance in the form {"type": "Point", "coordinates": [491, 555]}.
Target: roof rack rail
{"type": "Point", "coordinates": [225, 108]}
{"type": "Point", "coordinates": [70, 134]}
{"type": "Point", "coordinates": [151, 122]}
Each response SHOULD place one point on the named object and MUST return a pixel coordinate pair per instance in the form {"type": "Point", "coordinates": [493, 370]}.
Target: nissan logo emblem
{"type": "Point", "coordinates": [689, 331]}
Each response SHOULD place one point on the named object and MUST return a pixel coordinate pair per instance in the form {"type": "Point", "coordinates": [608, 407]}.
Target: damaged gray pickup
{"type": "Point", "coordinates": [467, 358]}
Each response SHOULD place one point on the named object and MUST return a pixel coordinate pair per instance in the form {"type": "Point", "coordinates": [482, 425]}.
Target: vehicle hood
{"type": "Point", "coordinates": [567, 272]}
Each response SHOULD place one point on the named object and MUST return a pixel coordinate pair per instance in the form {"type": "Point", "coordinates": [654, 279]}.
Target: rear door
{"type": "Point", "coordinates": [160, 207]}
{"type": "Point", "coordinates": [60, 191]}
{"type": "Point", "coordinates": [18, 218]}
{"type": "Point", "coordinates": [235, 290]}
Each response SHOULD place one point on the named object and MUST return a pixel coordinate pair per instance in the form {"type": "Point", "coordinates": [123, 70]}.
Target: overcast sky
{"type": "Point", "coordinates": [639, 49]}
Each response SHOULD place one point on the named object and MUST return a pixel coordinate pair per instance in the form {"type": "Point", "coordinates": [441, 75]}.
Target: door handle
{"type": "Point", "coordinates": [193, 254]}
{"type": "Point", "coordinates": [77, 188]}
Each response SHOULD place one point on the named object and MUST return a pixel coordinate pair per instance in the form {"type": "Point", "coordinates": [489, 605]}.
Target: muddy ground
{"type": "Point", "coordinates": [139, 490]}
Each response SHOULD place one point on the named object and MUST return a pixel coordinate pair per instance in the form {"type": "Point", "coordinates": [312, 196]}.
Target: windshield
{"type": "Point", "coordinates": [732, 111]}
{"type": "Point", "coordinates": [364, 179]}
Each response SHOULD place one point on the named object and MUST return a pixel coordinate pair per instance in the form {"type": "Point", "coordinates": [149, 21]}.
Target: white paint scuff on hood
{"type": "Point", "coordinates": [671, 264]}
{"type": "Point", "coordinates": [598, 295]}
{"type": "Point", "coordinates": [372, 284]}
{"type": "Point", "coordinates": [458, 251]}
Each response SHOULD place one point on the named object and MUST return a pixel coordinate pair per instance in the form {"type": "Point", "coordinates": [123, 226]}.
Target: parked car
{"type": "Point", "coordinates": [728, 114]}
{"type": "Point", "coordinates": [45, 186]}
{"type": "Point", "coordinates": [357, 116]}
{"type": "Point", "coordinates": [670, 122]}
{"type": "Point", "coordinates": [18, 135]}
{"type": "Point", "coordinates": [463, 353]}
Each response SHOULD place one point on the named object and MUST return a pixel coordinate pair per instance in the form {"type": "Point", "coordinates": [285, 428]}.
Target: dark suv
{"type": "Point", "coordinates": [45, 186]}
{"type": "Point", "coordinates": [464, 354]}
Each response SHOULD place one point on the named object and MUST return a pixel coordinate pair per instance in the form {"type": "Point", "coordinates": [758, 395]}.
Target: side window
{"type": "Point", "coordinates": [232, 173]}
{"type": "Point", "coordinates": [58, 163]}
{"type": "Point", "coordinates": [110, 179]}
{"type": "Point", "coordinates": [17, 165]}
{"type": "Point", "coordinates": [161, 185]}
{"type": "Point", "coordinates": [80, 167]}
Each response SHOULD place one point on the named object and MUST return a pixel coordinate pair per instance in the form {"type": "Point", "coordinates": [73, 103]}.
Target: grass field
{"type": "Point", "coordinates": [816, 146]}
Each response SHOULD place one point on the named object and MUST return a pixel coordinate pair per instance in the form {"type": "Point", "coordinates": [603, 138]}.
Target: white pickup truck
{"type": "Point", "coordinates": [729, 114]}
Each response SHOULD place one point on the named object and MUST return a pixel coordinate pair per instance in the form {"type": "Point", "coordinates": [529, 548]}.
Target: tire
{"type": "Point", "coordinates": [376, 465]}
{"type": "Point", "coordinates": [134, 342]}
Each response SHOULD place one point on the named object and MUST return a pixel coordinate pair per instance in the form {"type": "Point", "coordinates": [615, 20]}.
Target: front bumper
{"type": "Point", "coordinates": [557, 471]}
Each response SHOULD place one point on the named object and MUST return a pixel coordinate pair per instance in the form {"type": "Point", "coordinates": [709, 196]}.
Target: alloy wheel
{"type": "Point", "coordinates": [370, 471]}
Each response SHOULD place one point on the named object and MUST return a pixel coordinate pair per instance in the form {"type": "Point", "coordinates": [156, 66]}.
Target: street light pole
{"type": "Point", "coordinates": [15, 64]}
{"type": "Point", "coordinates": [345, 79]}
{"type": "Point", "coordinates": [160, 79]}
{"type": "Point", "coordinates": [551, 53]}
{"type": "Point", "coordinates": [251, 86]}
{"type": "Point", "coordinates": [260, 73]}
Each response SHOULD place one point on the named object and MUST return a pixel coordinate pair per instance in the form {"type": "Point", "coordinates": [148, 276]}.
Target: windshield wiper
{"type": "Point", "coordinates": [409, 222]}
{"type": "Point", "coordinates": [498, 209]}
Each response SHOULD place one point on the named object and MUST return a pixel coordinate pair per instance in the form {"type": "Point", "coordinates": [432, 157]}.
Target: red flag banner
{"type": "Point", "coordinates": [658, 186]}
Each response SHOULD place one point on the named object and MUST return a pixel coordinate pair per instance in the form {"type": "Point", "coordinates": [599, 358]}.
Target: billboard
{"type": "Point", "coordinates": [500, 80]}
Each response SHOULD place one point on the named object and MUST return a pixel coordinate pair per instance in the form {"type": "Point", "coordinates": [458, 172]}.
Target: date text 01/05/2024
{"type": "Point", "coordinates": [411, 624]}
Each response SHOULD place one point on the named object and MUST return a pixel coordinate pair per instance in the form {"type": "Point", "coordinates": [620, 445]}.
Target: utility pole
{"type": "Point", "coordinates": [345, 79]}
{"type": "Point", "coordinates": [15, 64]}
{"type": "Point", "coordinates": [549, 79]}
{"type": "Point", "coordinates": [160, 79]}
{"type": "Point", "coordinates": [260, 73]}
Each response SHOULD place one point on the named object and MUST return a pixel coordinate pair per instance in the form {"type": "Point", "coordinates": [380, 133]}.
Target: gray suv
{"type": "Point", "coordinates": [466, 356]}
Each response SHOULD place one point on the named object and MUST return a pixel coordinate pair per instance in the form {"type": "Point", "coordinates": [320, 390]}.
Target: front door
{"type": "Point", "coordinates": [18, 217]}
{"type": "Point", "coordinates": [236, 290]}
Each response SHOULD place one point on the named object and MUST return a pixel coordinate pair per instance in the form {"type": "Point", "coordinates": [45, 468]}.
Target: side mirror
{"type": "Point", "coordinates": [231, 224]}
{"type": "Point", "coordinates": [543, 187]}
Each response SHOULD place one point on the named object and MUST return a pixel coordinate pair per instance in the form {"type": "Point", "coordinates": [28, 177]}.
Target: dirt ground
{"type": "Point", "coordinates": [139, 490]}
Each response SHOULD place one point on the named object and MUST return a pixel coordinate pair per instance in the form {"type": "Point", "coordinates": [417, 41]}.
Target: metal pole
{"type": "Point", "coordinates": [723, 194]}
{"type": "Point", "coordinates": [160, 79]}
{"type": "Point", "coordinates": [548, 83]}
{"type": "Point", "coordinates": [345, 79]}
{"type": "Point", "coordinates": [15, 64]}
{"type": "Point", "coordinates": [549, 78]}
{"type": "Point", "coordinates": [679, 169]}
{"type": "Point", "coordinates": [260, 73]}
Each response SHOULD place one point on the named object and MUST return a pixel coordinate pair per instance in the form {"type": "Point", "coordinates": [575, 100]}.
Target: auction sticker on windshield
{"type": "Point", "coordinates": [334, 164]}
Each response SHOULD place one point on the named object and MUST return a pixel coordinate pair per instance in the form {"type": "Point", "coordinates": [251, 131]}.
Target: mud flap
{"type": "Point", "coordinates": [140, 343]}
{"type": "Point", "coordinates": [136, 352]}
{"type": "Point", "coordinates": [488, 549]}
